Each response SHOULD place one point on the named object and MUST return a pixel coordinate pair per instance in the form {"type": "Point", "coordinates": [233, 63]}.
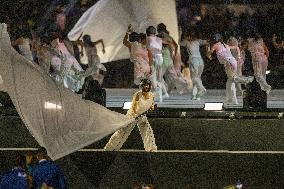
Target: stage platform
{"type": "Point", "coordinates": [116, 97]}
{"type": "Point", "coordinates": [192, 154]}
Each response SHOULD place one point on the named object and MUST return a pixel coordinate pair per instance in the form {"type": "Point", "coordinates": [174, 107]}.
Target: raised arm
{"type": "Point", "coordinates": [101, 42]}
{"type": "Point", "coordinates": [126, 42]}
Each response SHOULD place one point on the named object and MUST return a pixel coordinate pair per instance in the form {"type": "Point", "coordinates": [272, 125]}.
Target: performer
{"type": "Point", "coordinates": [155, 45]}
{"type": "Point", "coordinates": [259, 53]}
{"type": "Point", "coordinates": [66, 66]}
{"type": "Point", "coordinates": [95, 67]}
{"type": "Point", "coordinates": [196, 63]}
{"type": "Point", "coordinates": [141, 103]}
{"type": "Point", "coordinates": [171, 61]}
{"type": "Point", "coordinates": [225, 57]}
{"type": "Point", "coordinates": [236, 52]}
{"type": "Point", "coordinates": [23, 43]}
{"type": "Point", "coordinates": [139, 54]}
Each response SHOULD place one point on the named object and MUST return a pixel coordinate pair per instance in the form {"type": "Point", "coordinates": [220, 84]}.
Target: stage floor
{"type": "Point", "coordinates": [116, 97]}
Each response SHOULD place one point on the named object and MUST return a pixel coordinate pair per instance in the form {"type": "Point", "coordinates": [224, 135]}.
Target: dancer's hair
{"type": "Point", "coordinates": [142, 36]}
{"type": "Point", "coordinates": [145, 81]}
{"type": "Point", "coordinates": [88, 41]}
{"type": "Point", "coordinates": [134, 37]}
{"type": "Point", "coordinates": [162, 28]}
{"type": "Point", "coordinates": [150, 30]}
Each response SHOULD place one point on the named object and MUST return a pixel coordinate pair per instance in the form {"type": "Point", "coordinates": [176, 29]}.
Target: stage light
{"type": "Point", "coordinates": [183, 114]}
{"type": "Point", "coordinates": [127, 105]}
{"type": "Point", "coordinates": [213, 106]}
{"type": "Point", "coordinates": [280, 115]}
{"type": "Point", "coordinates": [52, 106]}
{"type": "Point", "coordinates": [267, 72]}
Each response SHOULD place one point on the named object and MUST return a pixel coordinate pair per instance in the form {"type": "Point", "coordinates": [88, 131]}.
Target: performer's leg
{"type": "Point", "coordinates": [119, 137]}
{"type": "Point", "coordinates": [201, 89]}
{"type": "Point", "coordinates": [259, 71]}
{"type": "Point", "coordinates": [238, 85]}
{"type": "Point", "coordinates": [147, 134]}
{"type": "Point", "coordinates": [230, 85]}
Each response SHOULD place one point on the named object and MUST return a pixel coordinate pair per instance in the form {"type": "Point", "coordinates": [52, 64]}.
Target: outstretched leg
{"type": "Point", "coordinates": [119, 137]}
{"type": "Point", "coordinates": [147, 134]}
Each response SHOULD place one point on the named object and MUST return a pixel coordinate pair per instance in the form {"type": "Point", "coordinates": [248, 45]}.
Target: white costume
{"type": "Point", "coordinates": [155, 45]}
{"type": "Point", "coordinates": [141, 106]}
{"type": "Point", "coordinates": [232, 41]}
{"type": "Point", "coordinates": [25, 49]}
{"type": "Point", "coordinates": [225, 57]}
{"type": "Point", "coordinates": [259, 62]}
{"type": "Point", "coordinates": [196, 64]}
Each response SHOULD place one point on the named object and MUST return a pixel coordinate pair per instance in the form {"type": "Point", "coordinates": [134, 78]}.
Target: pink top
{"type": "Point", "coordinates": [256, 47]}
{"type": "Point", "coordinates": [138, 52]}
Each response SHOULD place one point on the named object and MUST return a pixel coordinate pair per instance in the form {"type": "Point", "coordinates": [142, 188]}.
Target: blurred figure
{"type": "Point", "coordinates": [23, 43]}
{"type": "Point", "coordinates": [66, 67]}
{"type": "Point", "coordinates": [46, 173]}
{"type": "Point", "coordinates": [260, 54]}
{"type": "Point", "coordinates": [142, 102]}
{"type": "Point", "coordinates": [171, 67]}
{"type": "Point", "coordinates": [17, 177]}
{"type": "Point", "coordinates": [139, 54]}
{"type": "Point", "coordinates": [93, 91]}
{"type": "Point", "coordinates": [196, 63]}
{"type": "Point", "coordinates": [94, 65]}
{"type": "Point", "coordinates": [225, 57]}
{"type": "Point", "coordinates": [236, 52]}
{"type": "Point", "coordinates": [155, 45]}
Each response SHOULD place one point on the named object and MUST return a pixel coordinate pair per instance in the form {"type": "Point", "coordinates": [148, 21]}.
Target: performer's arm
{"type": "Point", "coordinates": [210, 51]}
{"type": "Point", "coordinates": [126, 42]}
{"type": "Point", "coordinates": [266, 51]}
{"type": "Point", "coordinates": [102, 42]}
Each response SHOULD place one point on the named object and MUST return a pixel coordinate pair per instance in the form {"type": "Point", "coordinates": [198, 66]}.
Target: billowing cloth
{"type": "Point", "coordinates": [107, 20]}
{"type": "Point", "coordinates": [56, 117]}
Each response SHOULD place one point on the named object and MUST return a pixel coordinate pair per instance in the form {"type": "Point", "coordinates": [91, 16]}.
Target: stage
{"type": "Point", "coordinates": [116, 97]}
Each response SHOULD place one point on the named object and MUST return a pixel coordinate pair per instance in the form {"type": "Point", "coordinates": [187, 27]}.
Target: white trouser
{"type": "Point", "coordinates": [196, 68]}
{"type": "Point", "coordinates": [119, 137]}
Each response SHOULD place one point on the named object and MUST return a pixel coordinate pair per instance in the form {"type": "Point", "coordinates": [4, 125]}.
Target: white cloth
{"type": "Point", "coordinates": [57, 118]}
{"type": "Point", "coordinates": [108, 20]}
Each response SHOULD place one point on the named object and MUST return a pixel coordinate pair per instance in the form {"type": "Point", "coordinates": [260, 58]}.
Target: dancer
{"type": "Point", "coordinates": [95, 67]}
{"type": "Point", "coordinates": [66, 66]}
{"type": "Point", "coordinates": [139, 54]}
{"type": "Point", "coordinates": [23, 43]}
{"type": "Point", "coordinates": [171, 60]}
{"type": "Point", "coordinates": [225, 57]}
{"type": "Point", "coordinates": [155, 45]}
{"type": "Point", "coordinates": [142, 102]}
{"type": "Point", "coordinates": [259, 53]}
{"type": "Point", "coordinates": [236, 53]}
{"type": "Point", "coordinates": [196, 63]}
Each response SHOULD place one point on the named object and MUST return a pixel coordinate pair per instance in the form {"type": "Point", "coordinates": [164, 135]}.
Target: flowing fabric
{"type": "Point", "coordinates": [57, 118]}
{"type": "Point", "coordinates": [109, 19]}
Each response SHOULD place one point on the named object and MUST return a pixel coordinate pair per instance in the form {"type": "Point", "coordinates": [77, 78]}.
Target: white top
{"type": "Point", "coordinates": [155, 44]}
{"type": "Point", "coordinates": [193, 47]}
{"type": "Point", "coordinates": [143, 104]}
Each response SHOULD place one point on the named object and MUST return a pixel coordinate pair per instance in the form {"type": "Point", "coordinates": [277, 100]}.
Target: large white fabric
{"type": "Point", "coordinates": [109, 19]}
{"type": "Point", "coordinates": [56, 117]}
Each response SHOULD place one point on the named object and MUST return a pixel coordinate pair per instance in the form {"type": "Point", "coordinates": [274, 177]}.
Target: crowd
{"type": "Point", "coordinates": [33, 172]}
